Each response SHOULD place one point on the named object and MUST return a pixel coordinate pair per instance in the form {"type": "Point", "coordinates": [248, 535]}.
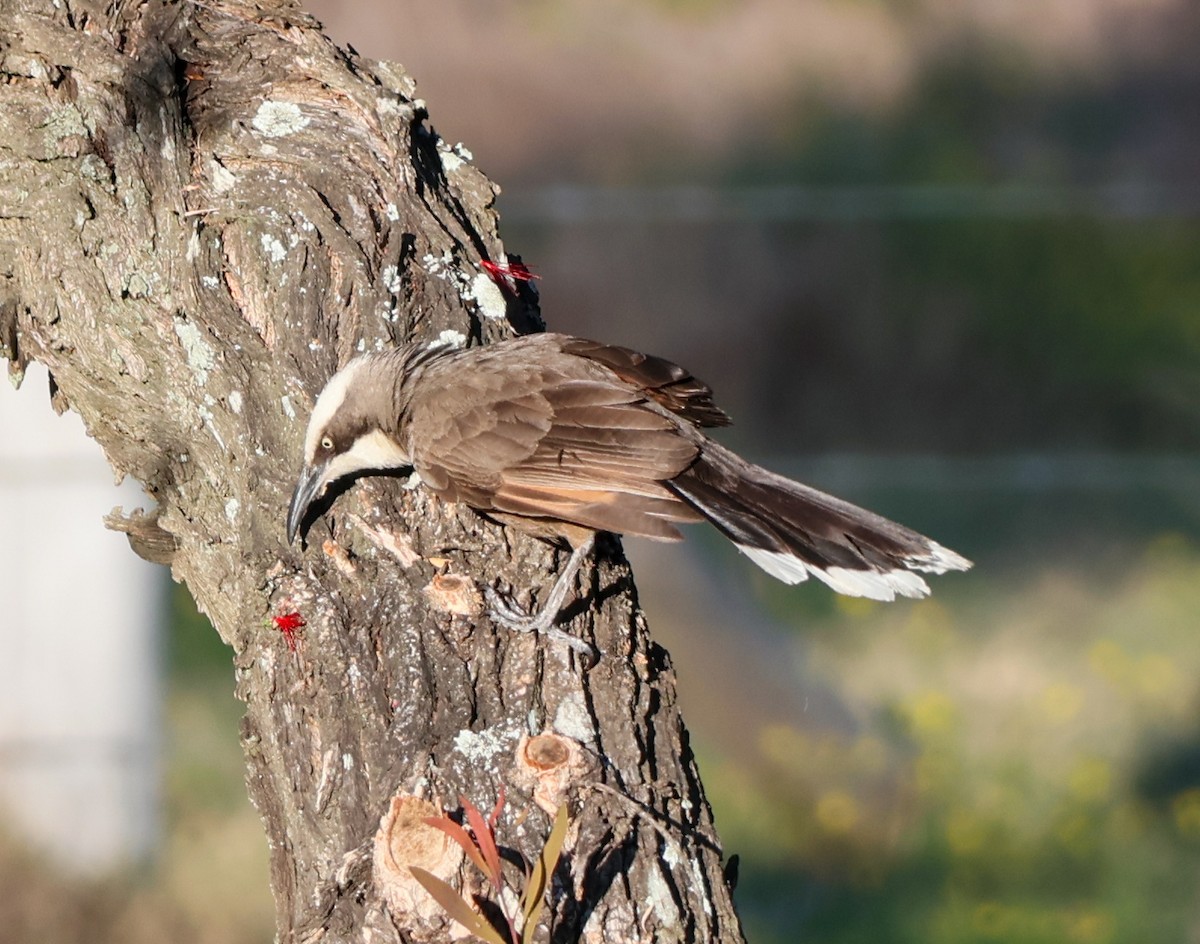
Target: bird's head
{"type": "Point", "coordinates": [353, 428]}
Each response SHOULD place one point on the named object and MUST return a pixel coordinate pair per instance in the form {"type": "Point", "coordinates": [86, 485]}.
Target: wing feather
{"type": "Point", "coordinates": [538, 432]}
{"type": "Point", "coordinates": [670, 385]}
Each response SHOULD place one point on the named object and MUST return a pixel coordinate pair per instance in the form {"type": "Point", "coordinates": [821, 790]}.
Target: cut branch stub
{"type": "Point", "coordinates": [404, 840]}
{"type": "Point", "coordinates": [553, 767]}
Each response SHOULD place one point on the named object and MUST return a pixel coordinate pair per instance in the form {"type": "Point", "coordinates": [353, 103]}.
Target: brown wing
{"type": "Point", "coordinates": [523, 428]}
{"type": "Point", "coordinates": [670, 385]}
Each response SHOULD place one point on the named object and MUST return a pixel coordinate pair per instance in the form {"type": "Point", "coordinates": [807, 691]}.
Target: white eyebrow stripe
{"type": "Point", "coordinates": [328, 403]}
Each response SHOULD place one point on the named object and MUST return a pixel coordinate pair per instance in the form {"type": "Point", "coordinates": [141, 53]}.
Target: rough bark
{"type": "Point", "coordinates": [205, 208]}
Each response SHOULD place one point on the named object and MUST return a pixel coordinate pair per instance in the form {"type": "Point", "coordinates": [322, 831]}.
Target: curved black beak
{"type": "Point", "coordinates": [310, 485]}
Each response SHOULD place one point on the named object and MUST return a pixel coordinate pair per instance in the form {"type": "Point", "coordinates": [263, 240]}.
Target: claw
{"type": "Point", "coordinates": [512, 616]}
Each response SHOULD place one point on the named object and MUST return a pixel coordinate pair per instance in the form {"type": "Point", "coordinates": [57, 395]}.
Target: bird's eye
{"type": "Point", "coordinates": [327, 443]}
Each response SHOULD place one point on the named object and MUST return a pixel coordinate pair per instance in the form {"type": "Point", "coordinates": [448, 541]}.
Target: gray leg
{"type": "Point", "coordinates": [511, 616]}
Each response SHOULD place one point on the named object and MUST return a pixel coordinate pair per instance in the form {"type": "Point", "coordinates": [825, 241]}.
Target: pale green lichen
{"type": "Point", "coordinates": [92, 168]}
{"type": "Point", "coordinates": [454, 158]}
{"type": "Point", "coordinates": [200, 355]}
{"type": "Point", "coordinates": [64, 122]}
{"type": "Point", "coordinates": [480, 747]}
{"type": "Point", "coordinates": [273, 248]}
{"type": "Point", "coordinates": [223, 179]}
{"type": "Point", "coordinates": [167, 149]}
{"type": "Point", "coordinates": [279, 119]}
{"type": "Point", "coordinates": [658, 894]}
{"type": "Point", "coordinates": [138, 286]}
{"type": "Point", "coordinates": [572, 719]}
{"type": "Point", "coordinates": [487, 295]}
{"type": "Point", "coordinates": [390, 276]}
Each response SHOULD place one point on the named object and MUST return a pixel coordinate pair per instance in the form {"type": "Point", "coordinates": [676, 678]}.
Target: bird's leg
{"type": "Point", "coordinates": [511, 616]}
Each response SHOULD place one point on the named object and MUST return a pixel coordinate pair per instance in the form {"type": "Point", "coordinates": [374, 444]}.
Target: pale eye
{"type": "Point", "coordinates": [327, 443]}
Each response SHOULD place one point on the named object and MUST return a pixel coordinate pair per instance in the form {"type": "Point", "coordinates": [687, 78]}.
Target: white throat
{"type": "Point", "coordinates": [373, 450]}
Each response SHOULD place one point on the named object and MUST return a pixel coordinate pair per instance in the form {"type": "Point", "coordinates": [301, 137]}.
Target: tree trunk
{"type": "Point", "coordinates": [205, 209]}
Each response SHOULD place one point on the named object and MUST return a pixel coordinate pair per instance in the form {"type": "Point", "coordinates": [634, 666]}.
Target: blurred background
{"type": "Point", "coordinates": [941, 257]}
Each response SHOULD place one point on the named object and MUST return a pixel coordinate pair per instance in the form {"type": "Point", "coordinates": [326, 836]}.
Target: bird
{"type": "Point", "coordinates": [564, 437]}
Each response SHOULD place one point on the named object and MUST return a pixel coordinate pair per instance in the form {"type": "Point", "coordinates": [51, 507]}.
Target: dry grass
{"type": "Point", "coordinates": [1019, 766]}
{"type": "Point", "coordinates": [209, 882]}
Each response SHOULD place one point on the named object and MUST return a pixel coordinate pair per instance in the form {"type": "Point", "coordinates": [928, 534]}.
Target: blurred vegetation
{"type": "Point", "coordinates": [209, 883]}
{"type": "Point", "coordinates": [1037, 287]}
{"type": "Point", "coordinates": [1024, 766]}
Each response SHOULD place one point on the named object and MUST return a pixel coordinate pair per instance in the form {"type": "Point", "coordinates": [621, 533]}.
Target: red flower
{"type": "Point", "coordinates": [289, 624]}
{"type": "Point", "coordinates": [505, 274]}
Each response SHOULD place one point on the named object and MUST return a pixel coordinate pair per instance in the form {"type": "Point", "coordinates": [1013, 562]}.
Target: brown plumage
{"type": "Point", "coordinates": [535, 430]}
{"type": "Point", "coordinates": [565, 437]}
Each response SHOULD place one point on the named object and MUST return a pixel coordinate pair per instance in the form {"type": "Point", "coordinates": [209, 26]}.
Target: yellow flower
{"type": "Point", "coordinates": [837, 811]}
{"type": "Point", "coordinates": [1061, 702]}
{"type": "Point", "coordinates": [784, 745]}
{"type": "Point", "coordinates": [932, 713]}
{"type": "Point", "coordinates": [1091, 780]}
{"type": "Point", "coordinates": [1090, 926]}
{"type": "Point", "coordinates": [1157, 676]}
{"type": "Point", "coordinates": [855, 606]}
{"type": "Point", "coordinates": [1111, 662]}
{"type": "Point", "coordinates": [1186, 809]}
{"type": "Point", "coordinates": [965, 832]}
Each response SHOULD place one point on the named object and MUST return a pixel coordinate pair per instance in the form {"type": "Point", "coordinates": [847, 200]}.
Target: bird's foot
{"type": "Point", "coordinates": [511, 615]}
{"type": "Point", "coordinates": [508, 614]}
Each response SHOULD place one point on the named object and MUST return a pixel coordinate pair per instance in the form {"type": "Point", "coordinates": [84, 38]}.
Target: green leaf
{"type": "Point", "coordinates": [456, 906]}
{"type": "Point", "coordinates": [533, 898]}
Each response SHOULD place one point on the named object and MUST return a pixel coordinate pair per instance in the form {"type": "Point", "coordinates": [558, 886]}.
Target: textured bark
{"type": "Point", "coordinates": [205, 208]}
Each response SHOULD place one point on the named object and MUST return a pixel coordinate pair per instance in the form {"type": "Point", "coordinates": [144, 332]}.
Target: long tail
{"type": "Point", "coordinates": [793, 532]}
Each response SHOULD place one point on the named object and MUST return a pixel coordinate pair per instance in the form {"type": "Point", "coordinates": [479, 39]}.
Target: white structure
{"type": "Point", "coordinates": [79, 654]}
